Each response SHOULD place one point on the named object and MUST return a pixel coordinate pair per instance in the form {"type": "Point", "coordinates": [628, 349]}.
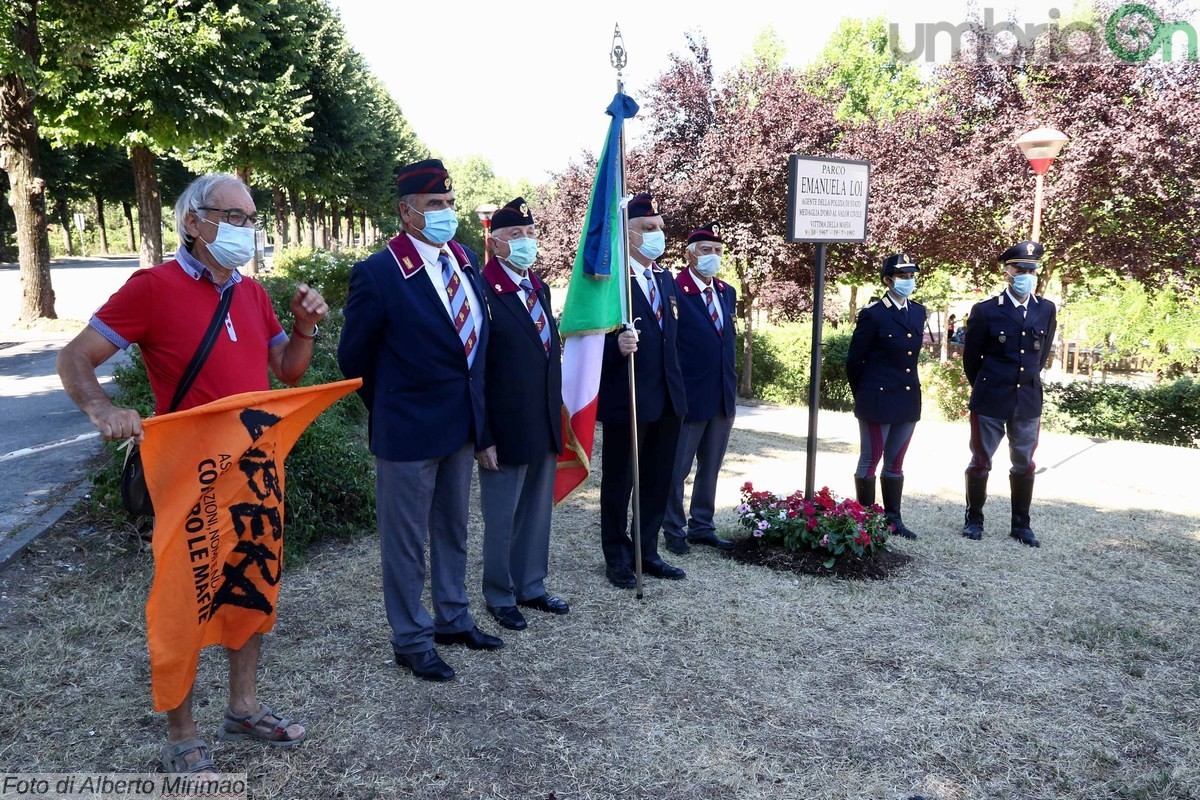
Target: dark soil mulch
{"type": "Point", "coordinates": [809, 562]}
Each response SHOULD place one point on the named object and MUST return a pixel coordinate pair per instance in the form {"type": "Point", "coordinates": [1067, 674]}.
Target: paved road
{"type": "Point", "coordinates": [34, 410]}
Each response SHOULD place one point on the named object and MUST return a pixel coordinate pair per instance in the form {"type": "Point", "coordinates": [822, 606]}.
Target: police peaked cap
{"type": "Point", "coordinates": [515, 213]}
{"type": "Point", "coordinates": [898, 263]}
{"type": "Point", "coordinates": [424, 177]}
{"type": "Point", "coordinates": [706, 233]}
{"type": "Point", "coordinates": [1024, 254]}
{"type": "Point", "coordinates": [644, 205]}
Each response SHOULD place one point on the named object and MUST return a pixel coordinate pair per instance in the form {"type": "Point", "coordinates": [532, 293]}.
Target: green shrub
{"type": "Point", "coordinates": [835, 386]}
{"type": "Point", "coordinates": [330, 474]}
{"type": "Point", "coordinates": [782, 362]}
{"type": "Point", "coordinates": [946, 385]}
{"type": "Point", "coordinates": [1166, 414]}
{"type": "Point", "coordinates": [327, 271]}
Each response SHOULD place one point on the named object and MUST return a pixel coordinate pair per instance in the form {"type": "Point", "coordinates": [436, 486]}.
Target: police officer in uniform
{"type": "Point", "coordinates": [707, 336]}
{"type": "Point", "coordinates": [1006, 348]}
{"type": "Point", "coordinates": [881, 366]}
{"type": "Point", "coordinates": [661, 404]}
{"type": "Point", "coordinates": [523, 434]}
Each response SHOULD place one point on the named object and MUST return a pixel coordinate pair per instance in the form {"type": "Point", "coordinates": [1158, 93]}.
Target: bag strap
{"type": "Point", "coordinates": [206, 346]}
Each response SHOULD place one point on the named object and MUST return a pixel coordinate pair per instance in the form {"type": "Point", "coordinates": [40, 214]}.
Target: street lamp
{"type": "Point", "coordinates": [1041, 147]}
{"type": "Point", "coordinates": [484, 211]}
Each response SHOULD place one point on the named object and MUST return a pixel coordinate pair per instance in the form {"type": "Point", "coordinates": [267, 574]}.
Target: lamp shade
{"type": "Point", "coordinates": [484, 211]}
{"type": "Point", "coordinates": [1041, 147]}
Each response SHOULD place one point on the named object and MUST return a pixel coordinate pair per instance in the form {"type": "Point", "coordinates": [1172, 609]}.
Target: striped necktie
{"type": "Point", "coordinates": [655, 300]}
{"type": "Point", "coordinates": [712, 311]}
{"type": "Point", "coordinates": [460, 308]}
{"type": "Point", "coordinates": [536, 312]}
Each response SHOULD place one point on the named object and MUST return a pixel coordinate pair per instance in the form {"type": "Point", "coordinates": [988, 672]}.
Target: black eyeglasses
{"type": "Point", "coordinates": [237, 218]}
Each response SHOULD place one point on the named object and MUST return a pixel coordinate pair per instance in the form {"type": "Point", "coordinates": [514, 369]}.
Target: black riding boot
{"type": "Point", "coordinates": [1022, 496]}
{"type": "Point", "coordinates": [976, 497]}
{"type": "Point", "coordinates": [864, 490]}
{"type": "Point", "coordinates": [892, 490]}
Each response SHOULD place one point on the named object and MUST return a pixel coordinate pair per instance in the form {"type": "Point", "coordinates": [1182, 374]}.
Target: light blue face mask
{"type": "Point", "coordinates": [903, 287]}
{"type": "Point", "coordinates": [522, 252]}
{"type": "Point", "coordinates": [233, 246]}
{"type": "Point", "coordinates": [1024, 284]}
{"type": "Point", "coordinates": [654, 244]}
{"type": "Point", "coordinates": [440, 225]}
{"type": "Point", "coordinates": [708, 265]}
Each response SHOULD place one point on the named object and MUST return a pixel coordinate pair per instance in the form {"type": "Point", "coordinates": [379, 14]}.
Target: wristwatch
{"type": "Point", "coordinates": [303, 335]}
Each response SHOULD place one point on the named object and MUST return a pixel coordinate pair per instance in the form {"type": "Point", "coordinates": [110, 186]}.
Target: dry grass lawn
{"type": "Point", "coordinates": [985, 670]}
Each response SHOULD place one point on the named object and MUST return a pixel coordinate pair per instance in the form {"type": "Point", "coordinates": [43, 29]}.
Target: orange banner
{"type": "Point", "coordinates": [215, 476]}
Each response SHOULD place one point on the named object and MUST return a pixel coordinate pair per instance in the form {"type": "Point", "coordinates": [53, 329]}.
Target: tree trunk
{"type": "Point", "coordinates": [367, 239]}
{"type": "Point", "coordinates": [100, 227]}
{"type": "Point", "coordinates": [129, 225]}
{"type": "Point", "coordinates": [145, 181]}
{"type": "Point", "coordinates": [27, 192]}
{"type": "Point", "coordinates": [336, 227]}
{"type": "Point", "coordinates": [746, 312]}
{"type": "Point", "coordinates": [279, 200]}
{"type": "Point", "coordinates": [349, 217]}
{"type": "Point", "coordinates": [64, 219]}
{"type": "Point", "coordinates": [310, 223]}
{"type": "Point", "coordinates": [945, 354]}
{"type": "Point", "coordinates": [294, 218]}
{"type": "Point", "coordinates": [243, 172]}
{"type": "Point", "coordinates": [853, 301]}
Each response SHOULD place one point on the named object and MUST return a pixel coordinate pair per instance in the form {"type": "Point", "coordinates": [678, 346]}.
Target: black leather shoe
{"type": "Point", "coordinates": [427, 666]}
{"type": "Point", "coordinates": [712, 540]}
{"type": "Point", "coordinates": [622, 579]}
{"type": "Point", "coordinates": [677, 545]}
{"type": "Point", "coordinates": [1025, 536]}
{"type": "Point", "coordinates": [474, 639]}
{"type": "Point", "coordinates": [548, 603]}
{"type": "Point", "coordinates": [973, 531]}
{"type": "Point", "coordinates": [661, 569]}
{"type": "Point", "coordinates": [508, 617]}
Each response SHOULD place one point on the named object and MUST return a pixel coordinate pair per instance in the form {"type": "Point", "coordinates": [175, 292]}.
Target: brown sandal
{"type": "Point", "coordinates": [252, 726]}
{"type": "Point", "coordinates": [174, 758]}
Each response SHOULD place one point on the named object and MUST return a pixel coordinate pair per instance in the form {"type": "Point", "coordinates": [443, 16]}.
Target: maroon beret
{"type": "Point", "coordinates": [643, 205]}
{"type": "Point", "coordinates": [515, 213]}
{"type": "Point", "coordinates": [424, 177]}
{"type": "Point", "coordinates": [706, 233]}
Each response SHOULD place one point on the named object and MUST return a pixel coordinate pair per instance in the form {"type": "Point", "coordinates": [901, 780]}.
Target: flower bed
{"type": "Point", "coordinates": [835, 529]}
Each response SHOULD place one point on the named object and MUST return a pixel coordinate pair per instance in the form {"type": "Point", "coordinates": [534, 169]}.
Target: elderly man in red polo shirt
{"type": "Point", "coordinates": [166, 310]}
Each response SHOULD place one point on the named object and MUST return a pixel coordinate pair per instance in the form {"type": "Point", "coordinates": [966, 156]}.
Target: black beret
{"type": "Point", "coordinates": [706, 233]}
{"type": "Point", "coordinates": [643, 205]}
{"type": "Point", "coordinates": [515, 213]}
{"type": "Point", "coordinates": [1024, 253]}
{"type": "Point", "coordinates": [898, 262]}
{"type": "Point", "coordinates": [424, 177]}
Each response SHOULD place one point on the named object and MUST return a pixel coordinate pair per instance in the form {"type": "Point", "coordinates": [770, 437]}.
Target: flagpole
{"type": "Point", "coordinates": [618, 57]}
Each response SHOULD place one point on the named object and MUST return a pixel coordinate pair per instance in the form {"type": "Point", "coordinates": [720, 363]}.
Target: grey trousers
{"type": "Point", "coordinates": [413, 499]}
{"type": "Point", "coordinates": [986, 433]}
{"type": "Point", "coordinates": [703, 443]}
{"type": "Point", "coordinates": [517, 503]}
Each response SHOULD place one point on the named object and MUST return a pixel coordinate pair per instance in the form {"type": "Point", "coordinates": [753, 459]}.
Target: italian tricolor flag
{"type": "Point", "coordinates": [595, 305]}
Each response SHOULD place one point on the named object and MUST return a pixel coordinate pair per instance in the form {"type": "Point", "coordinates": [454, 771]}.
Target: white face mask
{"type": "Point", "coordinates": [233, 246]}
{"type": "Point", "coordinates": [708, 265]}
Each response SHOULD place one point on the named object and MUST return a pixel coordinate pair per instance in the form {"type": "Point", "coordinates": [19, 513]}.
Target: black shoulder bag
{"type": "Point", "coordinates": [134, 495]}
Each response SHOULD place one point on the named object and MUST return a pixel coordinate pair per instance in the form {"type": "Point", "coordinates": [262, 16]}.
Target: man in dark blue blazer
{"type": "Point", "coordinates": [881, 367]}
{"type": "Point", "coordinates": [1007, 345]}
{"type": "Point", "coordinates": [661, 404]}
{"type": "Point", "coordinates": [416, 332]}
{"type": "Point", "coordinates": [523, 433]}
{"type": "Point", "coordinates": [707, 336]}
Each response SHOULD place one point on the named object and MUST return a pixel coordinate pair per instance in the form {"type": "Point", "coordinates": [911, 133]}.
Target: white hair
{"type": "Point", "coordinates": [197, 195]}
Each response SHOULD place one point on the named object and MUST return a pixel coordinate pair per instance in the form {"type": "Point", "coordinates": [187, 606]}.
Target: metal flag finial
{"type": "Point", "coordinates": [618, 57]}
